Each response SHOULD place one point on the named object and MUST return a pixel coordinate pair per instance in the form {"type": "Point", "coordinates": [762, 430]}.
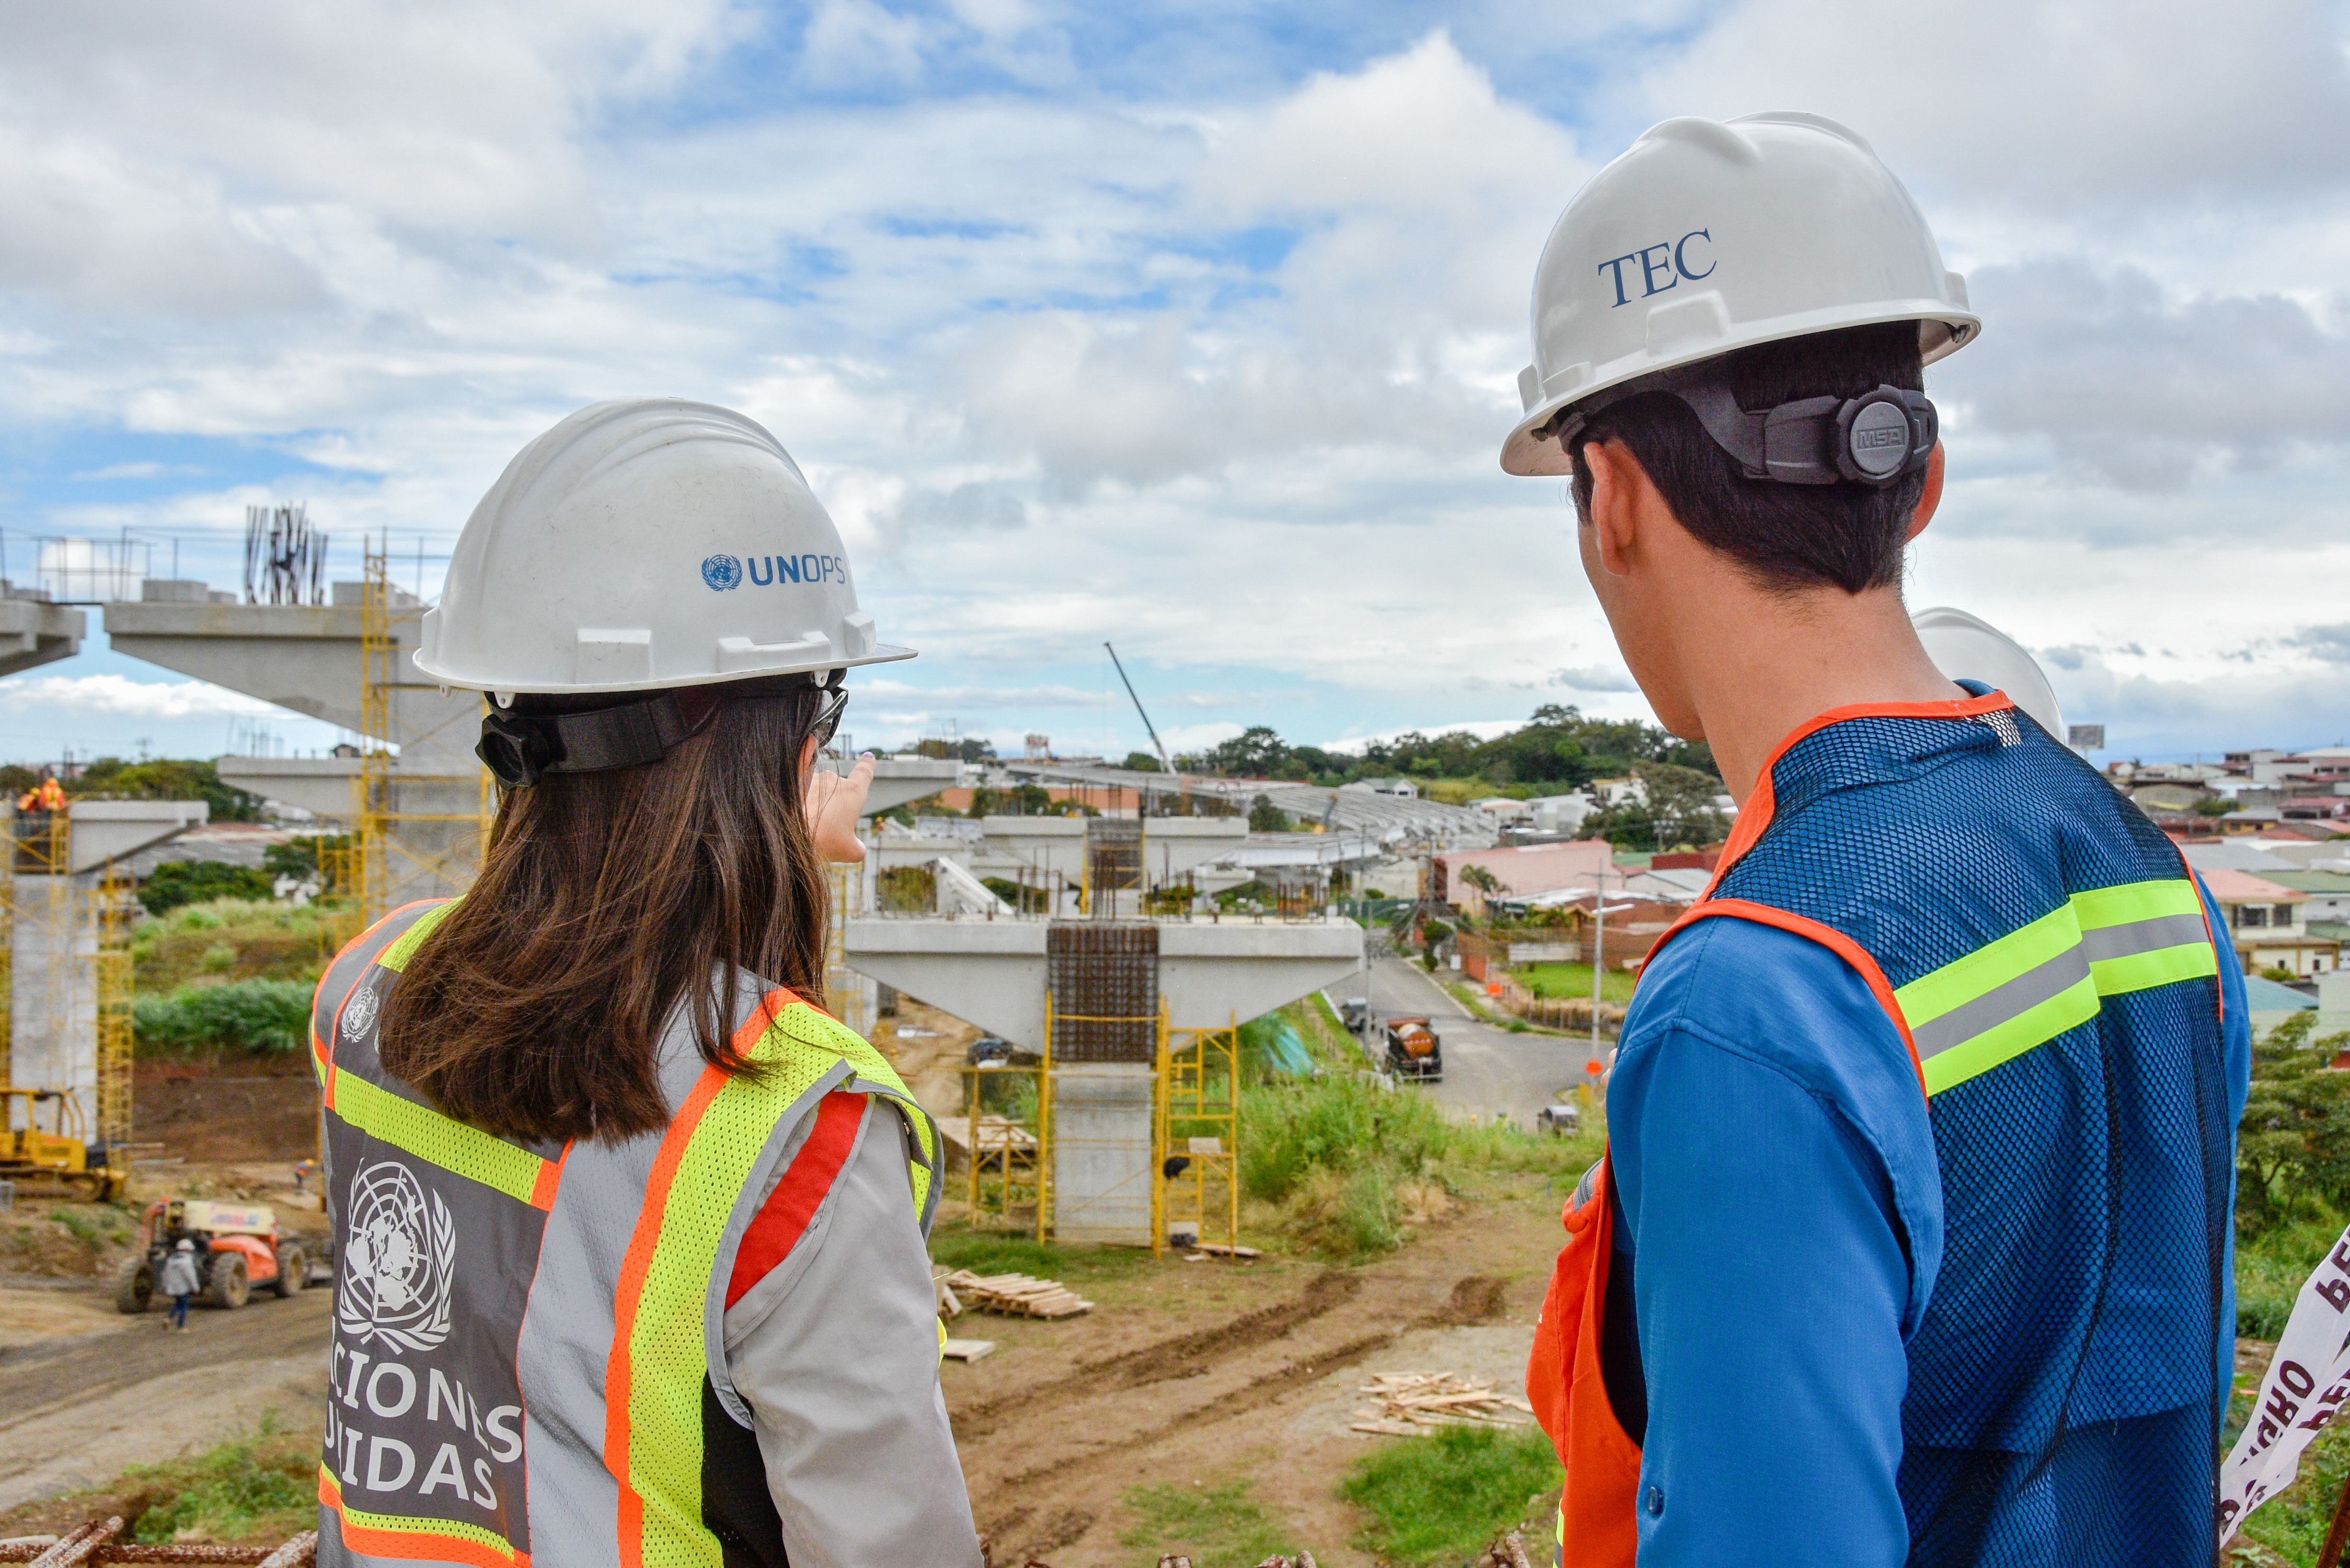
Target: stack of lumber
{"type": "Point", "coordinates": [1015, 1295]}
{"type": "Point", "coordinates": [1412, 1404]}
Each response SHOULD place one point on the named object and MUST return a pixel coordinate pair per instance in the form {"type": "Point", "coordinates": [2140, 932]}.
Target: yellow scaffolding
{"type": "Point", "coordinates": [1008, 1168]}
{"type": "Point", "coordinates": [1198, 1123]}
{"type": "Point", "coordinates": [111, 962]}
{"type": "Point", "coordinates": [393, 845]}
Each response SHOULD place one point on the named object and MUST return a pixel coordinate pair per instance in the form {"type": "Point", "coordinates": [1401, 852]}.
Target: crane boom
{"type": "Point", "coordinates": [1165, 763]}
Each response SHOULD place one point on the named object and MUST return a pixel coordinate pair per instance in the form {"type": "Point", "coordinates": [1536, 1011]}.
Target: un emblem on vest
{"type": "Point", "coordinates": [398, 1262]}
{"type": "Point", "coordinates": [358, 1012]}
{"type": "Point", "coordinates": [722, 572]}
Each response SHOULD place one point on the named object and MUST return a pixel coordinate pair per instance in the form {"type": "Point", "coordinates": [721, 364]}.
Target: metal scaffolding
{"type": "Point", "coordinates": [1199, 1125]}
{"type": "Point", "coordinates": [404, 853]}
{"type": "Point", "coordinates": [81, 990]}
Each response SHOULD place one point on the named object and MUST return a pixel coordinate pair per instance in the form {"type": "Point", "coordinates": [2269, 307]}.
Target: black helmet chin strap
{"type": "Point", "coordinates": [519, 749]}
{"type": "Point", "coordinates": [1875, 439]}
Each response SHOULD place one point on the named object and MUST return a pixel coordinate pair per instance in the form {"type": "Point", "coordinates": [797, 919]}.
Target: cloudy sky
{"type": "Point", "coordinates": [1194, 326]}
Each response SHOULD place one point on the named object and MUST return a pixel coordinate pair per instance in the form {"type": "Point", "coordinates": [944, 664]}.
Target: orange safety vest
{"type": "Point", "coordinates": [1570, 1399]}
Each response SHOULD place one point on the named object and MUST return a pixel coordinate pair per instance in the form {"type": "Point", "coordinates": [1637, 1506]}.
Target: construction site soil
{"type": "Point", "coordinates": [1185, 1373]}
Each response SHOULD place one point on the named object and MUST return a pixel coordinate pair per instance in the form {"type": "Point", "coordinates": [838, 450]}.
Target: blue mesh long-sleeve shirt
{"type": "Point", "coordinates": [1783, 1210]}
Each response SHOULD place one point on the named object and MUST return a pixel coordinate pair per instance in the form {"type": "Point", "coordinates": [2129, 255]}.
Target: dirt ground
{"type": "Point", "coordinates": [1183, 1373]}
{"type": "Point", "coordinates": [1204, 1373]}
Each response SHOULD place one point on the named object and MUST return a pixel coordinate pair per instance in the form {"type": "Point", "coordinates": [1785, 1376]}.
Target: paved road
{"type": "Point", "coordinates": [1485, 1069]}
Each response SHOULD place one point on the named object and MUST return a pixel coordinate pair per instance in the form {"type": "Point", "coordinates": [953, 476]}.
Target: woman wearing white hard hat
{"type": "Point", "coordinates": [632, 1262]}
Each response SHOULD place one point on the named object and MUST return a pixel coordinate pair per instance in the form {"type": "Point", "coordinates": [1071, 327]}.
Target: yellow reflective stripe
{"type": "Point", "coordinates": [668, 1353]}
{"type": "Point", "coordinates": [2036, 1025]}
{"type": "Point", "coordinates": [491, 1543]}
{"type": "Point", "coordinates": [1989, 967]}
{"type": "Point", "coordinates": [805, 1025]}
{"type": "Point", "coordinates": [2136, 972]}
{"type": "Point", "coordinates": [2128, 901]}
{"type": "Point", "coordinates": [395, 957]}
{"type": "Point", "coordinates": [434, 1139]}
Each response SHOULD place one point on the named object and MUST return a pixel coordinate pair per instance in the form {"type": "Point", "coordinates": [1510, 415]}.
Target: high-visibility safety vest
{"type": "Point", "coordinates": [2043, 952]}
{"type": "Point", "coordinates": [528, 1355]}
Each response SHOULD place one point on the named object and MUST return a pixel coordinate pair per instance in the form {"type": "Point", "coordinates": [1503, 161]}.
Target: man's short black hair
{"type": "Point", "coordinates": [1786, 536]}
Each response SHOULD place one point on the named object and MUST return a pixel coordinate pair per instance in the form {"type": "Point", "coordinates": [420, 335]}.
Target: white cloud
{"type": "Point", "coordinates": [118, 694]}
{"type": "Point", "coordinates": [1214, 365]}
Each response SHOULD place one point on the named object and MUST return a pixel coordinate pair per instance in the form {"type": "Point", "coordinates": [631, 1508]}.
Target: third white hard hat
{"type": "Point", "coordinates": [1709, 237]}
{"type": "Point", "coordinates": [1965, 648]}
{"type": "Point", "coordinates": [645, 544]}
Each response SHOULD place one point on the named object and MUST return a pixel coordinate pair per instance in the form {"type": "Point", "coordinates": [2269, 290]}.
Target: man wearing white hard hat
{"type": "Point", "coordinates": [630, 1231]}
{"type": "Point", "coordinates": [1912, 1242]}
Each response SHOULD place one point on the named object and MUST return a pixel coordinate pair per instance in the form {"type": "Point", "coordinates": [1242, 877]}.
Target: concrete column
{"type": "Point", "coordinates": [1102, 1115]}
{"type": "Point", "coordinates": [53, 1009]}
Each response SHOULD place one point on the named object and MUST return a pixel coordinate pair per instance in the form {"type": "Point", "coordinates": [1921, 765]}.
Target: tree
{"type": "Point", "coordinates": [1142, 761]}
{"type": "Point", "coordinates": [1253, 753]}
{"type": "Point", "coordinates": [178, 882]}
{"type": "Point", "coordinates": [1679, 810]}
{"type": "Point", "coordinates": [1266, 817]}
{"type": "Point", "coordinates": [2292, 1146]}
{"type": "Point", "coordinates": [1484, 880]}
{"type": "Point", "coordinates": [165, 778]}
{"type": "Point", "coordinates": [969, 749]}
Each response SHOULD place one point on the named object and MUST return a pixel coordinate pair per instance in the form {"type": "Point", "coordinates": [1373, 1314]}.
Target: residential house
{"type": "Point", "coordinates": [1524, 871]}
{"type": "Point", "coordinates": [2265, 924]}
{"type": "Point", "coordinates": [2328, 891]}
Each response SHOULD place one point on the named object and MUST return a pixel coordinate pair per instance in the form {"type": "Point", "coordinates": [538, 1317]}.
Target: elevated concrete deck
{"type": "Point", "coordinates": [33, 633]}
{"type": "Point", "coordinates": [993, 973]}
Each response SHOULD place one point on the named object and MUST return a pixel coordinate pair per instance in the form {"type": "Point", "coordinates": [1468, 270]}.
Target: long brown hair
{"type": "Point", "coordinates": [606, 899]}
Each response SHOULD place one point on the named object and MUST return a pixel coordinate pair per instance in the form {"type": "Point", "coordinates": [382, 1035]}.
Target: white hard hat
{"type": "Point", "coordinates": [183, 1245]}
{"type": "Point", "coordinates": [647, 544]}
{"type": "Point", "coordinates": [1707, 237]}
{"type": "Point", "coordinates": [1966, 649]}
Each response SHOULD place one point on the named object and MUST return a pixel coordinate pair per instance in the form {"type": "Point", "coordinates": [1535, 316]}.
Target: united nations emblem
{"type": "Point", "coordinates": [722, 572]}
{"type": "Point", "coordinates": [358, 1012]}
{"type": "Point", "coordinates": [398, 1260]}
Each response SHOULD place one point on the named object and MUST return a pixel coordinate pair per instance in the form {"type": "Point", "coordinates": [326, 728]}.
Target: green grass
{"type": "Point", "coordinates": [237, 939]}
{"type": "Point", "coordinates": [1337, 1157]}
{"type": "Point", "coordinates": [266, 1015]}
{"type": "Point", "coordinates": [995, 1253]}
{"type": "Point", "coordinates": [1217, 1526]}
{"type": "Point", "coordinates": [265, 1485]}
{"type": "Point", "coordinates": [1439, 1500]}
{"type": "Point", "coordinates": [1573, 981]}
{"type": "Point", "coordinates": [2270, 1269]}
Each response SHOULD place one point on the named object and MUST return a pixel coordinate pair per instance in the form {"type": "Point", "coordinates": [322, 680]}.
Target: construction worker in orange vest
{"type": "Point", "coordinates": [47, 795]}
{"type": "Point", "coordinates": [1912, 1242]}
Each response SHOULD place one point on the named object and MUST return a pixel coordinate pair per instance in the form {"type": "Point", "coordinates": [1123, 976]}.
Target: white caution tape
{"type": "Point", "coordinates": [2305, 1386]}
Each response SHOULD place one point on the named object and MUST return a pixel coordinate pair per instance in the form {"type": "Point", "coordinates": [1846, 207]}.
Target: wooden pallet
{"type": "Point", "coordinates": [1015, 1295]}
{"type": "Point", "coordinates": [1413, 1404]}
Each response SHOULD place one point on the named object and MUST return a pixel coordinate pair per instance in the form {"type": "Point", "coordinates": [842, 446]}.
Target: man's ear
{"type": "Point", "coordinates": [1931, 499]}
{"type": "Point", "coordinates": [1619, 491]}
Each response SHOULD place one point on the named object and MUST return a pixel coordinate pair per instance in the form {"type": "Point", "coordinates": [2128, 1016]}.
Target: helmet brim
{"type": "Point", "coordinates": [883, 653]}
{"type": "Point", "coordinates": [1527, 455]}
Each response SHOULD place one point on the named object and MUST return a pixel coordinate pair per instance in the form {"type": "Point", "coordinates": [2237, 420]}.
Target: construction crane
{"type": "Point", "coordinates": [1166, 765]}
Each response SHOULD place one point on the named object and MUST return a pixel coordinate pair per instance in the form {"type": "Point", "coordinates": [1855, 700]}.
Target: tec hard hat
{"type": "Point", "coordinates": [647, 544]}
{"type": "Point", "coordinates": [1709, 236]}
{"type": "Point", "coordinates": [1966, 649]}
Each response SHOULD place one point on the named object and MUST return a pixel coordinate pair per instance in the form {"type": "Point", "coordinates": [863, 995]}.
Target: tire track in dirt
{"type": "Point", "coordinates": [263, 1330]}
{"type": "Point", "coordinates": [1189, 1355]}
{"type": "Point", "coordinates": [1258, 1392]}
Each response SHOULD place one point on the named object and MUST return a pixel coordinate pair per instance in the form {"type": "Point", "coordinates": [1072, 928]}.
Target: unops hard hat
{"type": "Point", "coordinates": [1709, 237]}
{"type": "Point", "coordinates": [1966, 649]}
{"type": "Point", "coordinates": [645, 544]}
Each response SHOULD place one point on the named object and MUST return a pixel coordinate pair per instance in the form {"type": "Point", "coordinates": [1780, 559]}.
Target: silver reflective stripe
{"type": "Point", "coordinates": [567, 1335]}
{"type": "Point", "coordinates": [2002, 1003]}
{"type": "Point", "coordinates": [2143, 937]}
